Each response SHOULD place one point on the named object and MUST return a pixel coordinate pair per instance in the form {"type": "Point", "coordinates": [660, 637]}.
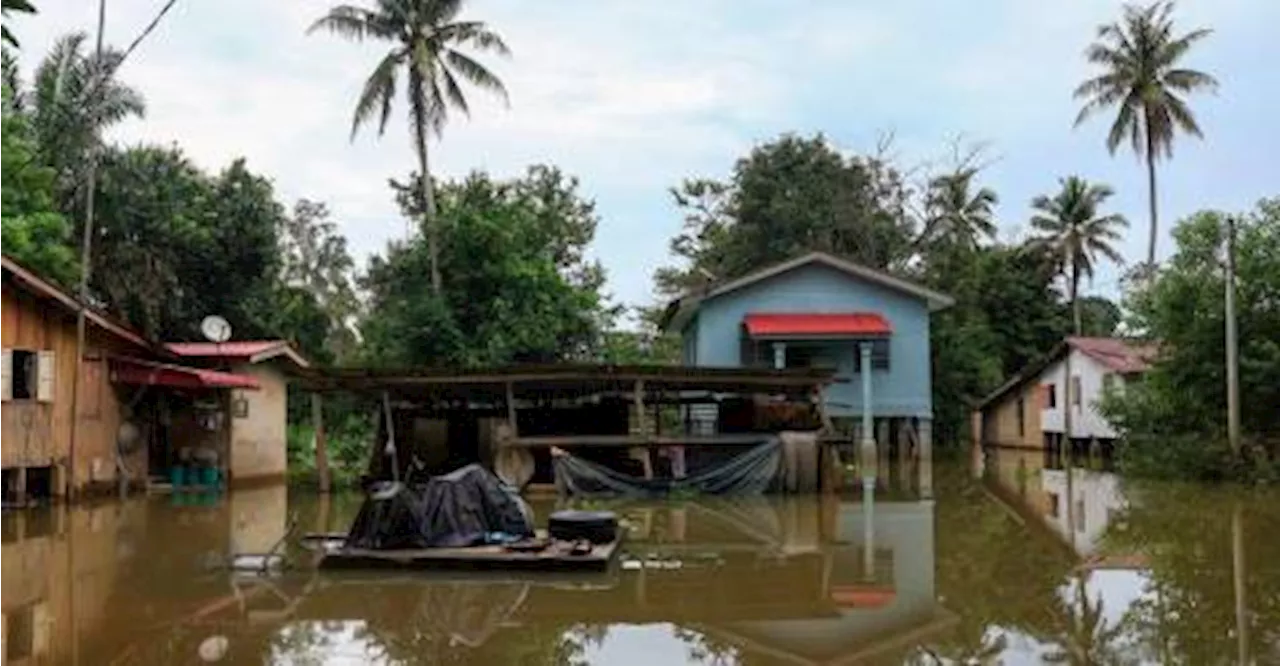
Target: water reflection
{"type": "Point", "coordinates": [1007, 562]}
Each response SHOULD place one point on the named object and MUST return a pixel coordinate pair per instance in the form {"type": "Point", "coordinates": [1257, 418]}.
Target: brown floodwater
{"type": "Point", "coordinates": [1006, 560]}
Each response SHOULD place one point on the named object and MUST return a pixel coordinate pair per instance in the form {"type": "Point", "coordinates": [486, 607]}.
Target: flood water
{"type": "Point", "coordinates": [1003, 560]}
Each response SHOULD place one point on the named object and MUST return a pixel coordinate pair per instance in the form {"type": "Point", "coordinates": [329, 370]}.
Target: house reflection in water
{"type": "Point", "coordinates": [816, 580]}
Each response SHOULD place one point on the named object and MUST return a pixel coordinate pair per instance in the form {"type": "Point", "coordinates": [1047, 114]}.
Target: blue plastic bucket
{"type": "Point", "coordinates": [177, 476]}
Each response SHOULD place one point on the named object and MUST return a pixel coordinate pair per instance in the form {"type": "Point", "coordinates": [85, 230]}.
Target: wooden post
{"type": "Point", "coordinates": [391, 436]}
{"type": "Point", "coordinates": [322, 447]}
{"type": "Point", "coordinates": [642, 453]}
{"type": "Point", "coordinates": [511, 410]}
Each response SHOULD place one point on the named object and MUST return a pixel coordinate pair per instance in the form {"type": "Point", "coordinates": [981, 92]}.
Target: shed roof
{"type": "Point", "coordinates": [580, 378]}
{"type": "Point", "coordinates": [29, 281]}
{"type": "Point", "coordinates": [681, 309]}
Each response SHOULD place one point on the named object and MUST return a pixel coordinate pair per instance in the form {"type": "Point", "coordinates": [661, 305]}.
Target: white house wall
{"type": "Point", "coordinates": [1087, 421]}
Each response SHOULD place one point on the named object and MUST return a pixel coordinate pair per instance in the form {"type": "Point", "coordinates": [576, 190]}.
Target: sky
{"type": "Point", "coordinates": [632, 97]}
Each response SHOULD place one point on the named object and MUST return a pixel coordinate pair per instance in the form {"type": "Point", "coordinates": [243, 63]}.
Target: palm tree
{"type": "Point", "coordinates": [1142, 78]}
{"type": "Point", "coordinates": [426, 43]}
{"type": "Point", "coordinates": [70, 107]}
{"type": "Point", "coordinates": [1073, 232]}
{"type": "Point", "coordinates": [954, 215]}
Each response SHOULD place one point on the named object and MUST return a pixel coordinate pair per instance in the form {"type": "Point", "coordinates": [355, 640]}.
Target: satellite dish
{"type": "Point", "coordinates": [216, 329]}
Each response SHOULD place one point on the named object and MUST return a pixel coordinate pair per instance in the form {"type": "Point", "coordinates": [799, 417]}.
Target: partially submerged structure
{"type": "Point", "coordinates": [1029, 410]}
{"type": "Point", "coordinates": [140, 404]}
{"type": "Point", "coordinates": [868, 328]}
{"type": "Point", "coordinates": [634, 418]}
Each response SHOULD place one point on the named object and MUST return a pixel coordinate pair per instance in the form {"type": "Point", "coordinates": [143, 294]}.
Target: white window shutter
{"type": "Point", "coordinates": [7, 371]}
{"type": "Point", "coordinates": [46, 370]}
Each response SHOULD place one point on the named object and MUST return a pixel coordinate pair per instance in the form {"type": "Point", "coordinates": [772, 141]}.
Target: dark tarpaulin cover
{"type": "Point", "coordinates": [752, 472]}
{"type": "Point", "coordinates": [458, 509]}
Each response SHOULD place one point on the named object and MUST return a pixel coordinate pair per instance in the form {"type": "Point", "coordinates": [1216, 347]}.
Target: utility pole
{"type": "Point", "coordinates": [1233, 360]}
{"type": "Point", "coordinates": [86, 255]}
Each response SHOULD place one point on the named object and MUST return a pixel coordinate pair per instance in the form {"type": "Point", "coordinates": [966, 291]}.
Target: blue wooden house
{"type": "Point", "coordinates": [819, 310]}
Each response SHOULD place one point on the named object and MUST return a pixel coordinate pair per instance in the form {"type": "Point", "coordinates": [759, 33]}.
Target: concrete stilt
{"type": "Point", "coordinates": [925, 429]}
{"type": "Point", "coordinates": [866, 435]}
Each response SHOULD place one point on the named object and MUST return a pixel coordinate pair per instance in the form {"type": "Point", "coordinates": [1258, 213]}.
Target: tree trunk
{"type": "Point", "coordinates": [427, 197]}
{"type": "Point", "coordinates": [1076, 325]}
{"type": "Point", "coordinates": [322, 450]}
{"type": "Point", "coordinates": [1151, 197]}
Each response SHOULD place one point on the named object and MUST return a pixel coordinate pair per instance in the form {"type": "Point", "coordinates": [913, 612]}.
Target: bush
{"type": "Point", "coordinates": [348, 447]}
{"type": "Point", "coordinates": [1193, 458]}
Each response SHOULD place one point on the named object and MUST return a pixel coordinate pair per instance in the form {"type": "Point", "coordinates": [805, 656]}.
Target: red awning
{"type": "Point", "coordinates": [136, 371]}
{"type": "Point", "coordinates": [762, 324]}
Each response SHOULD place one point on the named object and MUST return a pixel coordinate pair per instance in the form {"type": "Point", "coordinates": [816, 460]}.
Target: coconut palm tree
{"type": "Point", "coordinates": [427, 44]}
{"type": "Point", "coordinates": [70, 108]}
{"type": "Point", "coordinates": [1071, 228]}
{"type": "Point", "coordinates": [954, 214]}
{"type": "Point", "coordinates": [1143, 78]}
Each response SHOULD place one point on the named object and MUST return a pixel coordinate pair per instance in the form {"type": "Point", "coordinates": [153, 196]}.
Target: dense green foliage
{"type": "Point", "coordinates": [517, 286]}
{"type": "Point", "coordinates": [35, 232]}
{"type": "Point", "coordinates": [1174, 420]}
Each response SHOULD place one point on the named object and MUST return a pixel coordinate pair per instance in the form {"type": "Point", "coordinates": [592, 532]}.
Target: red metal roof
{"type": "Point", "coordinates": [230, 349]}
{"type": "Point", "coordinates": [251, 351]}
{"type": "Point", "coordinates": [1117, 354]}
{"type": "Point", "coordinates": [816, 323]}
{"type": "Point", "coordinates": [137, 371]}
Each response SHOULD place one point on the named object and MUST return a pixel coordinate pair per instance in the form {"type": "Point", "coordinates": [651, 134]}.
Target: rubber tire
{"type": "Point", "coordinates": [594, 526]}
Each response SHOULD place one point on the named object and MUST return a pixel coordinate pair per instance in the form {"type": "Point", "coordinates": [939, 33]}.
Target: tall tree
{"type": "Point", "coordinates": [35, 232]}
{"type": "Point", "coordinates": [428, 43]}
{"type": "Point", "coordinates": [315, 260]}
{"type": "Point", "coordinates": [1073, 231]}
{"type": "Point", "coordinates": [70, 107]}
{"type": "Point", "coordinates": [787, 197]}
{"type": "Point", "coordinates": [956, 215]}
{"type": "Point", "coordinates": [517, 284]}
{"type": "Point", "coordinates": [20, 6]}
{"type": "Point", "coordinates": [1143, 77]}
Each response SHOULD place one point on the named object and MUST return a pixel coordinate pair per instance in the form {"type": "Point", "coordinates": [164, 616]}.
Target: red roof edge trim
{"type": "Point", "coordinates": [139, 372]}
{"type": "Point", "coordinates": [816, 324]}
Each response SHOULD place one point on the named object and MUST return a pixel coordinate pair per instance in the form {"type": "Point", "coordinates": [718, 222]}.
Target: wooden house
{"type": "Point", "coordinates": [819, 311]}
{"type": "Point", "coordinates": [1029, 410]}
{"type": "Point", "coordinates": [138, 407]}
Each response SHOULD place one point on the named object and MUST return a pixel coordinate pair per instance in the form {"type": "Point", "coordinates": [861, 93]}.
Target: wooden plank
{"type": "Point", "coordinates": [474, 558]}
{"type": "Point", "coordinates": [639, 440]}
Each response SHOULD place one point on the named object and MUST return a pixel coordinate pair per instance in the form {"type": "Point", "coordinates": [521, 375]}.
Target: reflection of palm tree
{"type": "Point", "coordinates": [1081, 633]}
{"type": "Point", "coordinates": [984, 651]}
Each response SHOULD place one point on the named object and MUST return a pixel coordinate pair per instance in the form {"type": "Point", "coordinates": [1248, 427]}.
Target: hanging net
{"type": "Point", "coordinates": [465, 507]}
{"type": "Point", "coordinates": [754, 471]}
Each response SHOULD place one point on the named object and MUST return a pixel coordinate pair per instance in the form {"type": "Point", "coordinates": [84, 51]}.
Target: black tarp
{"type": "Point", "coordinates": [751, 472]}
{"type": "Point", "coordinates": [461, 508]}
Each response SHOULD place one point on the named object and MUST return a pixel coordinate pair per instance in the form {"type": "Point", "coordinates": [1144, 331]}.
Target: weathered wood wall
{"type": "Point", "coordinates": [38, 433]}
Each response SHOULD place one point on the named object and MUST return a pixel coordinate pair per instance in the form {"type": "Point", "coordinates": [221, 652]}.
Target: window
{"type": "Point", "coordinates": [810, 356]}
{"type": "Point", "coordinates": [1053, 505]}
{"type": "Point", "coordinates": [1051, 396]}
{"type": "Point", "coordinates": [27, 375]}
{"type": "Point", "coordinates": [879, 354]}
{"type": "Point", "coordinates": [1075, 390]}
{"type": "Point", "coordinates": [20, 374]}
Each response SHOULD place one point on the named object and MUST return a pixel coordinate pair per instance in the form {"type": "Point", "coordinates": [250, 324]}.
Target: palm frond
{"type": "Point", "coordinates": [378, 93]}
{"type": "Point", "coordinates": [354, 23]}
{"type": "Point", "coordinates": [477, 74]}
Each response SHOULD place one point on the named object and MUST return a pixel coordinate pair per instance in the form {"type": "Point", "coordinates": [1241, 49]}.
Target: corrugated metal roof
{"type": "Point", "coordinates": [1117, 354]}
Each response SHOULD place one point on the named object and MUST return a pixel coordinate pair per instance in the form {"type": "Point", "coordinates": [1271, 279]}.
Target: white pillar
{"type": "Point", "coordinates": [779, 356]}
{"type": "Point", "coordinates": [926, 457]}
{"type": "Point", "coordinates": [868, 528]}
{"type": "Point", "coordinates": [868, 435]}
